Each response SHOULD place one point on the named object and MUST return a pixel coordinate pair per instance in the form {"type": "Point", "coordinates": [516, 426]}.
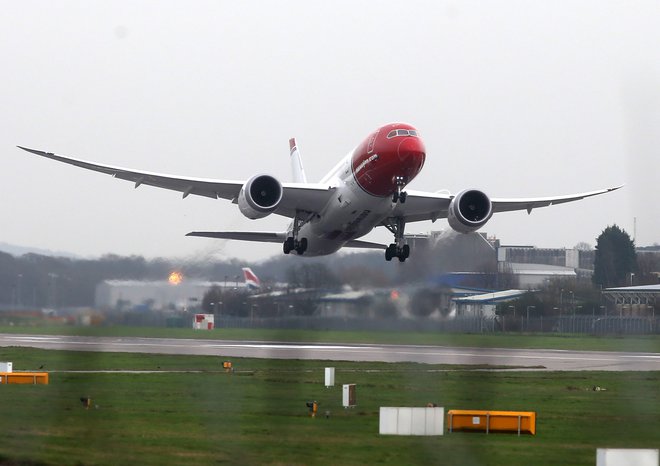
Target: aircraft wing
{"type": "Point", "coordinates": [421, 206]}
{"type": "Point", "coordinates": [296, 196]}
{"type": "Point", "coordinates": [507, 205]}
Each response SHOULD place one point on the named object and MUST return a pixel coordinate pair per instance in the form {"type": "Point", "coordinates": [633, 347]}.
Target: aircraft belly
{"type": "Point", "coordinates": [353, 214]}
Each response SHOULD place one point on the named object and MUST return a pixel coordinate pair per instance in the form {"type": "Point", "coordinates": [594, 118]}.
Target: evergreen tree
{"type": "Point", "coordinates": [615, 258]}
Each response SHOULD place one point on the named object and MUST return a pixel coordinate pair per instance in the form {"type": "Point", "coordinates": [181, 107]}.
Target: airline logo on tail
{"type": "Point", "coordinates": [251, 279]}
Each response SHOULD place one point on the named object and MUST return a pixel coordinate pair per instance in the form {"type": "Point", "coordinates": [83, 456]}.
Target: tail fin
{"type": "Point", "coordinates": [297, 169]}
{"type": "Point", "coordinates": [251, 279]}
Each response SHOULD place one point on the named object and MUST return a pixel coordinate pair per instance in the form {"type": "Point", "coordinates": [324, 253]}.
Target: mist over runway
{"type": "Point", "coordinates": [522, 359]}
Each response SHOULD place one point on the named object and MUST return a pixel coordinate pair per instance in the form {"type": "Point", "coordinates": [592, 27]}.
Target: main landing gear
{"type": "Point", "coordinates": [398, 248]}
{"type": "Point", "coordinates": [293, 243]}
{"type": "Point", "coordinates": [300, 246]}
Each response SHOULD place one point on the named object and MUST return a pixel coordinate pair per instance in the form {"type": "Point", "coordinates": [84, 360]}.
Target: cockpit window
{"type": "Point", "coordinates": [401, 132]}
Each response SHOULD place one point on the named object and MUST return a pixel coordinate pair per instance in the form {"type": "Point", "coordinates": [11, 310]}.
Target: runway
{"type": "Point", "coordinates": [525, 359]}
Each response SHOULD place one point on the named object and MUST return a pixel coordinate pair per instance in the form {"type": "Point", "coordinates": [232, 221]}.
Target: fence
{"type": "Point", "coordinates": [590, 325]}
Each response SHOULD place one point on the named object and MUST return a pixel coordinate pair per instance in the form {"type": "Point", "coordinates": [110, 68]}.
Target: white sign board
{"type": "Point", "coordinates": [411, 421]}
{"type": "Point", "coordinates": [329, 376]}
{"type": "Point", "coordinates": [203, 322]}
{"type": "Point", "coordinates": [627, 457]}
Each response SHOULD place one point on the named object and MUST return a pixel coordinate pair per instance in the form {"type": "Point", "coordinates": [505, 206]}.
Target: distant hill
{"type": "Point", "coordinates": [17, 251]}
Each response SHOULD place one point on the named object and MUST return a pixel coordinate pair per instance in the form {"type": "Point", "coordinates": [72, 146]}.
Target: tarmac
{"type": "Point", "coordinates": [498, 358]}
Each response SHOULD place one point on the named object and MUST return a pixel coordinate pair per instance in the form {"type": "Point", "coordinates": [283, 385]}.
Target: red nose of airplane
{"type": "Point", "coordinates": [388, 160]}
{"type": "Point", "coordinates": [412, 154]}
{"type": "Point", "coordinates": [411, 149]}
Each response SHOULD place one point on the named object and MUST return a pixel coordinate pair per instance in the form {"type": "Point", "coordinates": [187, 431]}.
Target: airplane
{"type": "Point", "coordinates": [366, 189]}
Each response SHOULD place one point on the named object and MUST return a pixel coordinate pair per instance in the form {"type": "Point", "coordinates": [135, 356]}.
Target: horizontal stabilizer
{"type": "Point", "coordinates": [258, 236]}
{"type": "Point", "coordinates": [356, 243]}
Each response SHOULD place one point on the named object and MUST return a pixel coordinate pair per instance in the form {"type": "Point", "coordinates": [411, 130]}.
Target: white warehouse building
{"type": "Point", "coordinates": [153, 295]}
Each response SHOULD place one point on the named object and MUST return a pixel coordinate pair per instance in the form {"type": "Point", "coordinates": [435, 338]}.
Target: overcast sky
{"type": "Point", "coordinates": [518, 99]}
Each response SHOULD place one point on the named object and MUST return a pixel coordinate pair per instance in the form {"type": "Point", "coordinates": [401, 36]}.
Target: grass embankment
{"type": "Point", "coordinates": [649, 343]}
{"type": "Point", "coordinates": [258, 416]}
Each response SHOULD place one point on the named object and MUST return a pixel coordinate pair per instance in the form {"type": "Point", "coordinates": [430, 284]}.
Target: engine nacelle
{"type": "Point", "coordinates": [469, 210]}
{"type": "Point", "coordinates": [259, 196]}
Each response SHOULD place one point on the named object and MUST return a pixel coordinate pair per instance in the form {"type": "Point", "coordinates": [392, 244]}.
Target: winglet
{"type": "Point", "coordinates": [34, 151]}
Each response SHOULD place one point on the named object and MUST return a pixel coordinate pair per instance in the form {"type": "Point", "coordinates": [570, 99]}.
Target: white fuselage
{"type": "Point", "coordinates": [350, 213]}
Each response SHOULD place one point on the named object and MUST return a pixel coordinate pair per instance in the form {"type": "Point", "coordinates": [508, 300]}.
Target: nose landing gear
{"type": "Point", "coordinates": [399, 195]}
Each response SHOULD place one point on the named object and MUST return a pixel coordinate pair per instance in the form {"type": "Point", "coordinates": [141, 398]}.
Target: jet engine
{"type": "Point", "coordinates": [259, 196]}
{"type": "Point", "coordinates": [469, 210]}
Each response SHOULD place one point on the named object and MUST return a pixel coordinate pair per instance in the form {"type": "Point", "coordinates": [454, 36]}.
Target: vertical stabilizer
{"type": "Point", "coordinates": [297, 169]}
{"type": "Point", "coordinates": [251, 279]}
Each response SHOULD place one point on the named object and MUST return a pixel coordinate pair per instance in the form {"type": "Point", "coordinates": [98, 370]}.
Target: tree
{"type": "Point", "coordinates": [312, 275]}
{"type": "Point", "coordinates": [615, 258]}
{"type": "Point", "coordinates": [211, 302]}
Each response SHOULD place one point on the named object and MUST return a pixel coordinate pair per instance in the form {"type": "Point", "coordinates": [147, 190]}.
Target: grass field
{"type": "Point", "coordinates": [649, 343]}
{"type": "Point", "coordinates": [257, 415]}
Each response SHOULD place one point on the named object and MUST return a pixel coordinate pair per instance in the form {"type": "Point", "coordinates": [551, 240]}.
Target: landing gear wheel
{"type": "Point", "coordinates": [402, 197]}
{"type": "Point", "coordinates": [402, 253]}
{"type": "Point", "coordinates": [301, 247]}
{"type": "Point", "coordinates": [288, 245]}
{"type": "Point", "coordinates": [397, 225]}
{"type": "Point", "coordinates": [390, 252]}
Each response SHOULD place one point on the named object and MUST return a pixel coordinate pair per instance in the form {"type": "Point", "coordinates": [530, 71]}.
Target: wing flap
{"type": "Point", "coordinates": [420, 206]}
{"type": "Point", "coordinates": [305, 197]}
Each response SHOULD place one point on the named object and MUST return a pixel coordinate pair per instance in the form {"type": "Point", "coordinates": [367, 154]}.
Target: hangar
{"type": "Point", "coordinates": [634, 300]}
{"type": "Point", "coordinates": [483, 305]}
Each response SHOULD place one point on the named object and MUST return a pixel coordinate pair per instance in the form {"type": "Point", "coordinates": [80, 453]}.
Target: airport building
{"type": "Point", "coordinates": [154, 295]}
{"type": "Point", "coordinates": [522, 267]}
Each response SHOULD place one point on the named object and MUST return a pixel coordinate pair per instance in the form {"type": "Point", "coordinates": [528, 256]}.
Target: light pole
{"type": "Point", "coordinates": [19, 279]}
{"type": "Point", "coordinates": [215, 307]}
{"type": "Point", "coordinates": [252, 306]}
{"type": "Point", "coordinates": [52, 291]}
{"type": "Point", "coordinates": [528, 308]}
